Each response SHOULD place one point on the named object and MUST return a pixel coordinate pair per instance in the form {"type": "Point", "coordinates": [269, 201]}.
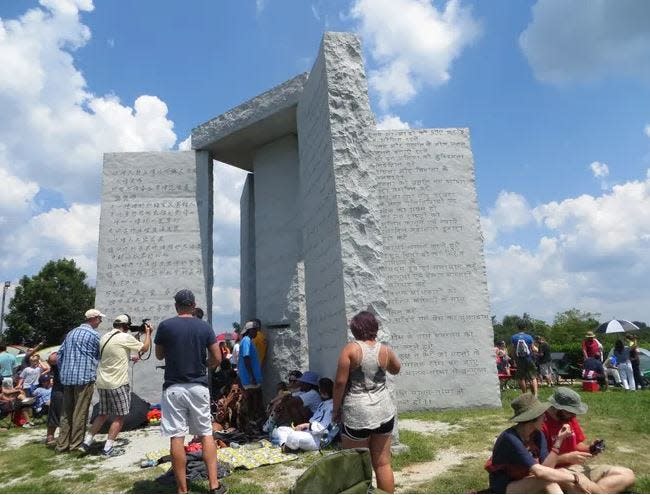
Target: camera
{"type": "Point", "coordinates": [139, 328]}
{"type": "Point", "coordinates": [597, 447]}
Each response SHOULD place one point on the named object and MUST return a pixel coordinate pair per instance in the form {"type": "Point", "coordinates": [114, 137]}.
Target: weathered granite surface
{"type": "Point", "coordinates": [234, 136]}
{"type": "Point", "coordinates": [434, 269]}
{"type": "Point", "coordinates": [341, 241]}
{"type": "Point", "coordinates": [278, 255]}
{"type": "Point", "coordinates": [247, 286]}
{"type": "Point", "coordinates": [155, 237]}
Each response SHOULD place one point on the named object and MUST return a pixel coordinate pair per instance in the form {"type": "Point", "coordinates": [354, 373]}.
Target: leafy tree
{"type": "Point", "coordinates": [509, 326]}
{"type": "Point", "coordinates": [571, 325]}
{"type": "Point", "coordinates": [48, 305]}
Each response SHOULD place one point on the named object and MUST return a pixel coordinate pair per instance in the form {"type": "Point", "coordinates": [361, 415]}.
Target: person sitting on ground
{"type": "Point", "coordinates": [42, 395]}
{"type": "Point", "coordinates": [222, 379]}
{"type": "Point", "coordinates": [521, 461]}
{"type": "Point", "coordinates": [611, 370]}
{"type": "Point", "coordinates": [282, 391]}
{"type": "Point", "coordinates": [28, 354]}
{"type": "Point", "coordinates": [28, 378]}
{"type": "Point", "coordinates": [574, 450]}
{"type": "Point", "coordinates": [14, 401]}
{"type": "Point", "coordinates": [307, 436]}
{"type": "Point", "coordinates": [309, 390]}
{"type": "Point", "coordinates": [292, 381]}
{"type": "Point", "coordinates": [593, 369]}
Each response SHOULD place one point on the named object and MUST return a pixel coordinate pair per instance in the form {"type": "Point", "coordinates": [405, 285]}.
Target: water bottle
{"type": "Point", "coordinates": [148, 463]}
{"type": "Point", "coordinates": [275, 437]}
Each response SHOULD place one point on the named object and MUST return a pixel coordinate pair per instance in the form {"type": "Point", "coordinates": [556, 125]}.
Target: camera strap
{"type": "Point", "coordinates": [107, 341]}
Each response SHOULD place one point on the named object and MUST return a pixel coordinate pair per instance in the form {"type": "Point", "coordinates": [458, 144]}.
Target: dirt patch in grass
{"type": "Point", "coordinates": [428, 427]}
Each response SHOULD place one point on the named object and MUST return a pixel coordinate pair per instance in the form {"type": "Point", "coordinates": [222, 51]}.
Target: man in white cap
{"type": "Point", "coordinates": [113, 380]}
{"type": "Point", "coordinates": [78, 358]}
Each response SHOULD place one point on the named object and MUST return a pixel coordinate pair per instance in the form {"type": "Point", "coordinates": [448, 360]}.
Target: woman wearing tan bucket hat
{"type": "Point", "coordinates": [521, 461]}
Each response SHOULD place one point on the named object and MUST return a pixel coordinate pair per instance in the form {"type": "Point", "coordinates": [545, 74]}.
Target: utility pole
{"type": "Point", "coordinates": [2, 313]}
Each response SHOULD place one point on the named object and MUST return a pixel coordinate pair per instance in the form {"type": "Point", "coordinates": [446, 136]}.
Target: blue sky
{"type": "Point", "coordinates": [556, 95]}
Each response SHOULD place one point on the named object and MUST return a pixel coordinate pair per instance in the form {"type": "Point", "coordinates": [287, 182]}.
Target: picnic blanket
{"type": "Point", "coordinates": [252, 455]}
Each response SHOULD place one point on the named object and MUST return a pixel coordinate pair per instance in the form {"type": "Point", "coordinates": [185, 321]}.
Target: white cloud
{"type": "Point", "coordinates": [390, 121]}
{"type": "Point", "coordinates": [600, 170]}
{"type": "Point", "coordinates": [578, 41]}
{"type": "Point", "coordinates": [647, 130]}
{"type": "Point", "coordinates": [186, 144]}
{"type": "Point", "coordinates": [58, 129]}
{"type": "Point", "coordinates": [58, 233]}
{"type": "Point", "coordinates": [413, 42]}
{"type": "Point", "coordinates": [228, 184]}
{"type": "Point", "coordinates": [225, 300]}
{"type": "Point", "coordinates": [15, 193]}
{"type": "Point", "coordinates": [510, 211]}
{"type": "Point", "coordinates": [594, 256]}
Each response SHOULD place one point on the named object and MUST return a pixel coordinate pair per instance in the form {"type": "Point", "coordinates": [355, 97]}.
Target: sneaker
{"type": "Point", "coordinates": [222, 489]}
{"type": "Point", "coordinates": [113, 452]}
{"type": "Point", "coordinates": [84, 448]}
{"type": "Point", "coordinates": [27, 425]}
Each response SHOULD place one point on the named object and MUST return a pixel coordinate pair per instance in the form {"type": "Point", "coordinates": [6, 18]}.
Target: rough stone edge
{"type": "Point", "coordinates": [248, 289]}
{"type": "Point", "coordinates": [258, 108]}
{"type": "Point", "coordinates": [352, 123]}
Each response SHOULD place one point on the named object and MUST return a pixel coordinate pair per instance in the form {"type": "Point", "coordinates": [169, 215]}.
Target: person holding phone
{"type": "Point", "coordinates": [574, 452]}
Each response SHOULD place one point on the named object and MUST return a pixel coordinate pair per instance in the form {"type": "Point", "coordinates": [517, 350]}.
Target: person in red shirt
{"type": "Point", "coordinates": [574, 451]}
{"type": "Point", "coordinates": [591, 347]}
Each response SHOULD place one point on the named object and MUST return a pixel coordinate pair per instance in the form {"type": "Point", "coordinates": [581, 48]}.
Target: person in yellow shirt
{"type": "Point", "coordinates": [260, 341]}
{"type": "Point", "coordinates": [113, 380]}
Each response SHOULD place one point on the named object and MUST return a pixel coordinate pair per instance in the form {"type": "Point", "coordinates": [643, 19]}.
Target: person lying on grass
{"type": "Point", "coordinates": [574, 450]}
{"type": "Point", "coordinates": [521, 461]}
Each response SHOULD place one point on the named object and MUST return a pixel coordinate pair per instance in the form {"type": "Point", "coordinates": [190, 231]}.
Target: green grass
{"type": "Point", "coordinates": [618, 417]}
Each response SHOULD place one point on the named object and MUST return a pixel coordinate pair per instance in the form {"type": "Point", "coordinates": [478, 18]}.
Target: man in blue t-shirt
{"type": "Point", "coordinates": [184, 343]}
{"type": "Point", "coordinates": [522, 344]}
{"type": "Point", "coordinates": [250, 376]}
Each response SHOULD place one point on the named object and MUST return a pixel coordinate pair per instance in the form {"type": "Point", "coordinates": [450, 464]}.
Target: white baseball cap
{"type": "Point", "coordinates": [94, 313]}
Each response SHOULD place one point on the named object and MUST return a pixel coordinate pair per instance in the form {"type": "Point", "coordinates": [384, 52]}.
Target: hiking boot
{"type": "Point", "coordinates": [113, 452]}
{"type": "Point", "coordinates": [222, 489]}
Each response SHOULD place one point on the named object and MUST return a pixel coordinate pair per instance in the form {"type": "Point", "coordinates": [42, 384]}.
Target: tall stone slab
{"type": "Point", "coordinates": [278, 259]}
{"type": "Point", "coordinates": [341, 238]}
{"type": "Point", "coordinates": [247, 286]}
{"type": "Point", "coordinates": [434, 269]}
{"type": "Point", "coordinates": [155, 237]}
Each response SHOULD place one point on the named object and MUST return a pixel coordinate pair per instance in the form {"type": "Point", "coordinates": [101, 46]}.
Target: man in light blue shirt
{"type": "Point", "coordinates": [250, 376]}
{"type": "Point", "coordinates": [7, 362]}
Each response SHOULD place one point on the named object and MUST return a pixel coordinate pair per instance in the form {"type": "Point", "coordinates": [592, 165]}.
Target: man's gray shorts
{"type": "Point", "coordinates": [186, 409]}
{"type": "Point", "coordinates": [115, 401]}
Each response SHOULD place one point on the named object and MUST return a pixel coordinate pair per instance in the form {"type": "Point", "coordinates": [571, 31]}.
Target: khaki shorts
{"type": "Point", "coordinates": [595, 473]}
{"type": "Point", "coordinates": [186, 408]}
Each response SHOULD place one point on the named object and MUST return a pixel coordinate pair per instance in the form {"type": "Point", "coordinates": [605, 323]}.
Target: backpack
{"type": "Point", "coordinates": [522, 349]}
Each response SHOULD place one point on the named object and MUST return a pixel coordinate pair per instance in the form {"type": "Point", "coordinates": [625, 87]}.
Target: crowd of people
{"type": "Point", "coordinates": [208, 386]}
{"type": "Point", "coordinates": [529, 361]}
{"type": "Point", "coordinates": [212, 386]}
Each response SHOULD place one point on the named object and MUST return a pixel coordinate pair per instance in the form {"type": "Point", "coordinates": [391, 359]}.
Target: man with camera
{"type": "Point", "coordinates": [113, 380]}
{"type": "Point", "coordinates": [574, 451]}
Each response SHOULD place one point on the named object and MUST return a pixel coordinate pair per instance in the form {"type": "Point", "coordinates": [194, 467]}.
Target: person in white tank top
{"type": "Point", "coordinates": [361, 399]}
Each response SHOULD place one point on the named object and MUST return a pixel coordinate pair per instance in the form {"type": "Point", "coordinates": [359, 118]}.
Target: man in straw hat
{"type": "Point", "coordinates": [591, 347]}
{"type": "Point", "coordinates": [574, 451]}
{"type": "Point", "coordinates": [521, 461]}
